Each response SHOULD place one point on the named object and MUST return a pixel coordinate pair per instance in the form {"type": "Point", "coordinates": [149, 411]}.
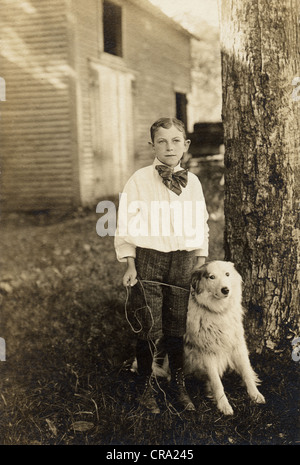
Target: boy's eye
{"type": "Point", "coordinates": [212, 276]}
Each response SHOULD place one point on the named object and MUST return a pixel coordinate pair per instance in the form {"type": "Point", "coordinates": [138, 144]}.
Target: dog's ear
{"type": "Point", "coordinates": [194, 280]}
{"type": "Point", "coordinates": [197, 277]}
{"type": "Point", "coordinates": [236, 271]}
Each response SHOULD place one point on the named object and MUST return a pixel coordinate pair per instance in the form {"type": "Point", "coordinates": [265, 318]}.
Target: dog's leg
{"type": "Point", "coordinates": [217, 390]}
{"type": "Point", "coordinates": [248, 375]}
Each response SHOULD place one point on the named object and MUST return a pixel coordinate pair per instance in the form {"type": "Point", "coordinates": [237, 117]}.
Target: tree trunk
{"type": "Point", "coordinates": [260, 50]}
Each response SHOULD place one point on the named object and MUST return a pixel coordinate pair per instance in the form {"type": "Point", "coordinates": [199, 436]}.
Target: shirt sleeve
{"type": "Point", "coordinates": [134, 191]}
{"type": "Point", "coordinates": [198, 194]}
{"type": "Point", "coordinates": [123, 246]}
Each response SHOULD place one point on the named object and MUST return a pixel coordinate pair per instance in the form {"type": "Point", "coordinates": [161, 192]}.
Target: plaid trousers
{"type": "Point", "coordinates": [155, 309]}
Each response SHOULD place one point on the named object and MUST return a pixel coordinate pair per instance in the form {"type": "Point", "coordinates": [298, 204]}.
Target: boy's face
{"type": "Point", "coordinates": [169, 145]}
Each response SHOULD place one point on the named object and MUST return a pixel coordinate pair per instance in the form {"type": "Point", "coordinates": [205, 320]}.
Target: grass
{"type": "Point", "coordinates": [64, 381]}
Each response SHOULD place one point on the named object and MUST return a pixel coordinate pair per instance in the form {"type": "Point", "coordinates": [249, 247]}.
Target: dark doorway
{"type": "Point", "coordinates": [181, 107]}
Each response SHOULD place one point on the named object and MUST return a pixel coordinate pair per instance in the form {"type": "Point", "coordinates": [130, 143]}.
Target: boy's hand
{"type": "Point", "coordinates": [129, 278]}
{"type": "Point", "coordinates": [200, 261]}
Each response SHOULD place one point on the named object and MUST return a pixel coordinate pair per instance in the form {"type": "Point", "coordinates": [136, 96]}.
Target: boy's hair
{"type": "Point", "coordinates": [166, 123]}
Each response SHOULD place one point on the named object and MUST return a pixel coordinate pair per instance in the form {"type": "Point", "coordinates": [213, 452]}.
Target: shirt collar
{"type": "Point", "coordinates": [158, 162]}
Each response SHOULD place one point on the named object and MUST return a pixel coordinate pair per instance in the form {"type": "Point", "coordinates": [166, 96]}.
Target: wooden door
{"type": "Point", "coordinates": [112, 124]}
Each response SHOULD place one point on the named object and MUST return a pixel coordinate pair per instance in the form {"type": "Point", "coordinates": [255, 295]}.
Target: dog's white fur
{"type": "Point", "coordinates": [214, 340]}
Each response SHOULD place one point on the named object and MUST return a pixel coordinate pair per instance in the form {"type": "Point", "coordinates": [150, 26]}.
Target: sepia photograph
{"type": "Point", "coordinates": [150, 225]}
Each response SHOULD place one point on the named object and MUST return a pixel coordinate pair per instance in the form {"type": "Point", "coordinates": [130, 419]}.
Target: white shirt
{"type": "Point", "coordinates": [152, 216]}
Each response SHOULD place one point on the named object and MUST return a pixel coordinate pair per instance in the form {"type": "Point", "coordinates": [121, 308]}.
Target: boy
{"type": "Point", "coordinates": [162, 248]}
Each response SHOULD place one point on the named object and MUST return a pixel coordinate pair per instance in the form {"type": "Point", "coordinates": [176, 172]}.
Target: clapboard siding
{"type": "Point", "coordinates": [36, 134]}
{"type": "Point", "coordinates": [53, 114]}
{"type": "Point", "coordinates": [160, 53]}
{"type": "Point", "coordinates": [155, 51]}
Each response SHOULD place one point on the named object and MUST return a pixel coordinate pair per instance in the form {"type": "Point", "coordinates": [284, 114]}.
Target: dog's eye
{"type": "Point", "coordinates": [227, 274]}
{"type": "Point", "coordinates": [212, 276]}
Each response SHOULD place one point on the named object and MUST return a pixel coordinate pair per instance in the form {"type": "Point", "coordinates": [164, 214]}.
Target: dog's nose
{"type": "Point", "coordinates": [225, 290]}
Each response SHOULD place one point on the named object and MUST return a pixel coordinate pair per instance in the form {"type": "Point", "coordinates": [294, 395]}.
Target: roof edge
{"type": "Point", "coordinates": [156, 11]}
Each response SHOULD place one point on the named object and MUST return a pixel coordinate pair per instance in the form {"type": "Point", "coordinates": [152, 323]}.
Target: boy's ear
{"type": "Point", "coordinates": [187, 144]}
{"type": "Point", "coordinates": [151, 144]}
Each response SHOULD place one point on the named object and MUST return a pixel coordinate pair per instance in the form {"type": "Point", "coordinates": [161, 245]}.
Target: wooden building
{"type": "Point", "coordinates": [84, 81]}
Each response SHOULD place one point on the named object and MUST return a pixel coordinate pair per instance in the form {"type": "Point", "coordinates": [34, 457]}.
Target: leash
{"type": "Point", "coordinates": [128, 293]}
{"type": "Point", "coordinates": [163, 284]}
{"type": "Point", "coordinates": [171, 409]}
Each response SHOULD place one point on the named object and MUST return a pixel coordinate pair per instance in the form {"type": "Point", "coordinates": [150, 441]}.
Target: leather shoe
{"type": "Point", "coordinates": [147, 398]}
{"type": "Point", "coordinates": [179, 391]}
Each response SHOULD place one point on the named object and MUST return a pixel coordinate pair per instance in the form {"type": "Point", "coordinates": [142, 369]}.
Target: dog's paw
{"type": "Point", "coordinates": [258, 398]}
{"type": "Point", "coordinates": [224, 406]}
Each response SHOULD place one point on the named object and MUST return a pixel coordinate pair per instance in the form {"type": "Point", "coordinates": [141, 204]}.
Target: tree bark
{"type": "Point", "coordinates": [260, 53]}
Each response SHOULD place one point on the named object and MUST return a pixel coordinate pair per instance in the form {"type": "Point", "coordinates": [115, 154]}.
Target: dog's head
{"type": "Point", "coordinates": [216, 280]}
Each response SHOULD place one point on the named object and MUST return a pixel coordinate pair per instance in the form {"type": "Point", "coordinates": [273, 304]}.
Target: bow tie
{"type": "Point", "coordinates": [172, 180]}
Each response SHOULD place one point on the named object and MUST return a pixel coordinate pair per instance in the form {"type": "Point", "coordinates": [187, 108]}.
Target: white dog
{"type": "Point", "coordinates": [214, 340]}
